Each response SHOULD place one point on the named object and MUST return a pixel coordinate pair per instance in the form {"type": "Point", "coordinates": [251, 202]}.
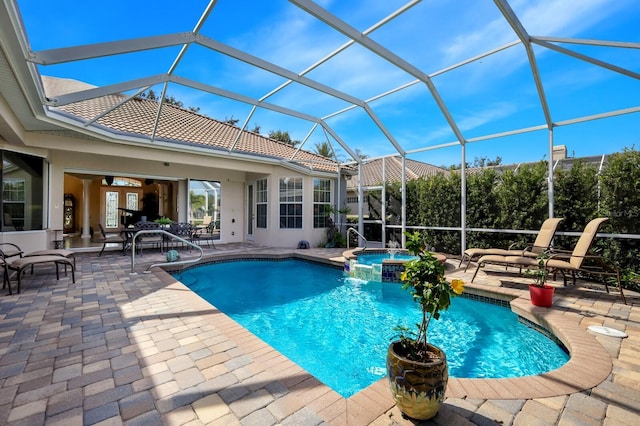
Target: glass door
{"type": "Point", "coordinates": [250, 214]}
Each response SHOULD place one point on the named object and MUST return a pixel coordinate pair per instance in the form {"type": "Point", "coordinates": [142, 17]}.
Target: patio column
{"type": "Point", "coordinates": [86, 185]}
{"type": "Point", "coordinates": [404, 200]}
{"type": "Point", "coordinates": [360, 204]}
{"type": "Point", "coordinates": [463, 199]}
{"type": "Point", "coordinates": [550, 177]}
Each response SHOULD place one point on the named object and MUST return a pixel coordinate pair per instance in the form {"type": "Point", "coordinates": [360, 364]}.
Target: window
{"type": "Point", "coordinates": [291, 203]}
{"type": "Point", "coordinates": [261, 203]}
{"type": "Point", "coordinates": [22, 191]}
{"type": "Point", "coordinates": [111, 210]}
{"type": "Point", "coordinates": [321, 202]}
{"type": "Point", "coordinates": [132, 201]}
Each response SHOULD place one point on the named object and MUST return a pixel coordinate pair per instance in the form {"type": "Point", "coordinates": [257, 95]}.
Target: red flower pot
{"type": "Point", "coordinates": [541, 296]}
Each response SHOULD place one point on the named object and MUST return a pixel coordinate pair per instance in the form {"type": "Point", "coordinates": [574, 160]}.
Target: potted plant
{"type": "Point", "coordinates": [541, 294]}
{"type": "Point", "coordinates": [417, 370]}
{"type": "Point", "coordinates": [164, 221]}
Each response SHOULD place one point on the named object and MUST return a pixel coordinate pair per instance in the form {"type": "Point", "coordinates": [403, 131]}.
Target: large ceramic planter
{"type": "Point", "coordinates": [541, 296]}
{"type": "Point", "coordinates": [417, 388]}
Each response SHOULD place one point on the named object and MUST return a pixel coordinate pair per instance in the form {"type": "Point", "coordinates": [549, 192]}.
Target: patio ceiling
{"type": "Point", "coordinates": [377, 78]}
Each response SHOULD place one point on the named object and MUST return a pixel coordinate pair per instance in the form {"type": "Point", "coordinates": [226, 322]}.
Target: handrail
{"type": "Point", "coordinates": [359, 234]}
{"type": "Point", "coordinates": [169, 234]}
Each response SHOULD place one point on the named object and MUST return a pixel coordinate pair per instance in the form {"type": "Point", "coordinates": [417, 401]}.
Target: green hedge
{"type": "Point", "coordinates": [518, 199]}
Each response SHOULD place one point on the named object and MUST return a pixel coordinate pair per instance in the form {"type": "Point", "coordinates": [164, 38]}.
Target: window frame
{"type": "Point", "coordinates": [262, 202]}
{"type": "Point", "coordinates": [291, 199]}
{"type": "Point", "coordinates": [321, 202]}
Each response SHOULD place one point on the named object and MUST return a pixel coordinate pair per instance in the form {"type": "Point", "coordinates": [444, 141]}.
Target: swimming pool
{"type": "Point", "coordinates": [338, 328]}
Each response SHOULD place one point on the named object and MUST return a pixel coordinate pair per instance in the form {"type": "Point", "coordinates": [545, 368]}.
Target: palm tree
{"type": "Point", "coordinates": [324, 149]}
{"type": "Point", "coordinates": [281, 136]}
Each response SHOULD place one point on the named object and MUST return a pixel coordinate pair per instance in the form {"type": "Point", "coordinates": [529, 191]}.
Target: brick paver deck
{"type": "Point", "coordinates": [141, 349]}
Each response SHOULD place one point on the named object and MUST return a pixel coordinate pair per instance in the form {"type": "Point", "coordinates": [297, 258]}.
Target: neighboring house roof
{"type": "Point", "coordinates": [372, 171]}
{"type": "Point", "coordinates": [139, 116]}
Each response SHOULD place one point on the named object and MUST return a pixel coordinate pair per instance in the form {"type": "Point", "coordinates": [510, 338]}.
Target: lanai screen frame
{"type": "Point", "coordinates": [39, 59]}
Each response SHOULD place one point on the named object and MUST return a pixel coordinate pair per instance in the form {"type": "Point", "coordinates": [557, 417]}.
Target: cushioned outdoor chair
{"type": "Point", "coordinates": [578, 260]}
{"type": "Point", "coordinates": [541, 243]}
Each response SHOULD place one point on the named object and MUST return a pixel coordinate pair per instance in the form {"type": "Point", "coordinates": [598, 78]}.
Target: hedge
{"type": "Point", "coordinates": [518, 199]}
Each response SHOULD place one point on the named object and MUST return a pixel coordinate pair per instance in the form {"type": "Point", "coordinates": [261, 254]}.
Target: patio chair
{"type": "Point", "coordinates": [208, 234]}
{"type": "Point", "coordinates": [108, 238]}
{"type": "Point", "coordinates": [542, 243]}
{"type": "Point", "coordinates": [21, 263]}
{"type": "Point", "coordinates": [578, 260]}
{"type": "Point", "coordinates": [10, 250]}
{"type": "Point", "coordinates": [149, 239]}
{"type": "Point", "coordinates": [183, 230]}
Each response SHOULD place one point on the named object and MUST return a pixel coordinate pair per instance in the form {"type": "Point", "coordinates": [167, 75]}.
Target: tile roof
{"type": "Point", "coordinates": [138, 117]}
{"type": "Point", "coordinates": [372, 171]}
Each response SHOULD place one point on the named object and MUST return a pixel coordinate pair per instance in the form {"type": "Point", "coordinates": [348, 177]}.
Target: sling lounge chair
{"type": "Point", "coordinates": [10, 250]}
{"type": "Point", "coordinates": [578, 260]}
{"type": "Point", "coordinates": [20, 264]}
{"type": "Point", "coordinates": [540, 245]}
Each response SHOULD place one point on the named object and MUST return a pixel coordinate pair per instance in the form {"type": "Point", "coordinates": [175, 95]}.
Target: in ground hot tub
{"type": "Point", "coordinates": [378, 264]}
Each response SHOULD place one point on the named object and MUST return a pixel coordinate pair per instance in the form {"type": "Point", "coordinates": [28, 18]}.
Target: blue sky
{"type": "Point", "coordinates": [492, 95]}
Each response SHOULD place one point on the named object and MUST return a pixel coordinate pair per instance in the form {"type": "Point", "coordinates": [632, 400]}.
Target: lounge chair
{"type": "Point", "coordinates": [21, 263]}
{"type": "Point", "coordinates": [108, 238]}
{"type": "Point", "coordinates": [578, 260]}
{"type": "Point", "coordinates": [541, 244]}
{"type": "Point", "coordinates": [10, 250]}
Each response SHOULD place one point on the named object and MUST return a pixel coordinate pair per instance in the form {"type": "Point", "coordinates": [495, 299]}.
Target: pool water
{"type": "Point", "coordinates": [338, 328]}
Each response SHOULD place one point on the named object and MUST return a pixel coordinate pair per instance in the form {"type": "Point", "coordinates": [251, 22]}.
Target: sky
{"type": "Point", "coordinates": [488, 96]}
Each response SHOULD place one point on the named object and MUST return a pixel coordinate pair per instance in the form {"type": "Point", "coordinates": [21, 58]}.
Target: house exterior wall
{"type": "Point", "coordinates": [93, 157]}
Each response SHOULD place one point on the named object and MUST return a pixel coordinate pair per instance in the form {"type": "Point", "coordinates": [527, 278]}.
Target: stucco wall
{"type": "Point", "coordinates": [98, 158]}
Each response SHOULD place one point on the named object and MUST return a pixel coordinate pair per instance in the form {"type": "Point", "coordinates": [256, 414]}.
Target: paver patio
{"type": "Point", "coordinates": [142, 349]}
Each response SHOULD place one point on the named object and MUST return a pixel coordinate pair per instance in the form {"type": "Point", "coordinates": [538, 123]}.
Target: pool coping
{"type": "Point", "coordinates": [588, 366]}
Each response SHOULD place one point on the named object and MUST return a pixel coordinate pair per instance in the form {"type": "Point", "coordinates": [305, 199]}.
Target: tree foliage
{"type": "Point", "coordinates": [281, 136]}
{"type": "Point", "coordinates": [169, 100]}
{"type": "Point", "coordinates": [620, 202]}
{"type": "Point", "coordinates": [478, 162]}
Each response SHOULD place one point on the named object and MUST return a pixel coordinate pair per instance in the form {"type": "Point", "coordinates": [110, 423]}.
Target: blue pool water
{"type": "Point", "coordinates": [338, 328]}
